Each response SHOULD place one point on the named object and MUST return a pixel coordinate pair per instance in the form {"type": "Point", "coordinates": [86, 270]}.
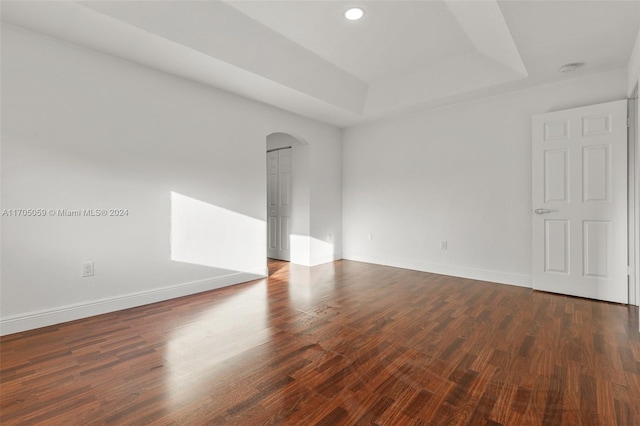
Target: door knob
{"type": "Point", "coordinates": [542, 211]}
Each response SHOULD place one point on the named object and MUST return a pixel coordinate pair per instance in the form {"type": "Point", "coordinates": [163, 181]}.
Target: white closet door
{"type": "Point", "coordinates": [579, 174]}
{"type": "Point", "coordinates": [279, 181]}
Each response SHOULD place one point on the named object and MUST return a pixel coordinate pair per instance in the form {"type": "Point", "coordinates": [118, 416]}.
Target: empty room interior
{"type": "Point", "coordinates": [229, 212]}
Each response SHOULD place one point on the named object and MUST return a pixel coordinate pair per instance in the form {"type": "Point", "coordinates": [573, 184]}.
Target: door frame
{"type": "Point", "coordinates": [633, 142]}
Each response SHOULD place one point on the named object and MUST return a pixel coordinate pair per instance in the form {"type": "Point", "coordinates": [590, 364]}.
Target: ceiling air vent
{"type": "Point", "coordinates": [570, 67]}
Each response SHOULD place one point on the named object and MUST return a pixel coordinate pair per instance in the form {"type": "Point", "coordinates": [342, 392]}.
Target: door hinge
{"type": "Point", "coordinates": [628, 121]}
{"type": "Point", "coordinates": [629, 270]}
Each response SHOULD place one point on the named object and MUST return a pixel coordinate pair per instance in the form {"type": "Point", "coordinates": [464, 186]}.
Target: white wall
{"type": "Point", "coordinates": [326, 174]}
{"type": "Point", "coordinates": [83, 130]}
{"type": "Point", "coordinates": [460, 174]}
{"type": "Point", "coordinates": [633, 69]}
{"type": "Point", "coordinates": [633, 83]}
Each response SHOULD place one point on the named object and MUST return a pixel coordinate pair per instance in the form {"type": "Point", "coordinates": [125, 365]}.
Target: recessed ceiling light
{"type": "Point", "coordinates": [354, 13]}
{"type": "Point", "coordinates": [570, 67]}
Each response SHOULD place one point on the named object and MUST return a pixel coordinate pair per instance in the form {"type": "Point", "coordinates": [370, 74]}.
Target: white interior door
{"type": "Point", "coordinates": [579, 174]}
{"type": "Point", "coordinates": [279, 203]}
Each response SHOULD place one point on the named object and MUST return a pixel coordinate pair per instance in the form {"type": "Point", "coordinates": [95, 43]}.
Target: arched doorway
{"type": "Point", "coordinates": [288, 195]}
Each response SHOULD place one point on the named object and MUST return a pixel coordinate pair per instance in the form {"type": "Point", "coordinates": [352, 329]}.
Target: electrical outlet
{"type": "Point", "coordinates": [87, 269]}
{"type": "Point", "coordinates": [443, 245]}
{"type": "Point", "coordinates": [370, 237]}
{"type": "Point", "coordinates": [329, 237]}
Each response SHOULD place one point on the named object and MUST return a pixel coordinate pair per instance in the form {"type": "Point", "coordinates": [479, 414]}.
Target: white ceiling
{"type": "Point", "coordinates": [394, 37]}
{"type": "Point", "coordinates": [303, 56]}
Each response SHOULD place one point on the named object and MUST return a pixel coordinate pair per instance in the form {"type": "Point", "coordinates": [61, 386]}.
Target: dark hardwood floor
{"type": "Point", "coordinates": [343, 343]}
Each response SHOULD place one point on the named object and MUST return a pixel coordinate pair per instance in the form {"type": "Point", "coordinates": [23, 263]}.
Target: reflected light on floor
{"type": "Point", "coordinates": [198, 349]}
{"type": "Point", "coordinates": [310, 285]}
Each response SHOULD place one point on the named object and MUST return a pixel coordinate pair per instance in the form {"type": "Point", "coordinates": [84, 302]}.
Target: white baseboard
{"type": "Point", "coordinates": [454, 271]}
{"type": "Point", "coordinates": [325, 259]}
{"type": "Point", "coordinates": [43, 318]}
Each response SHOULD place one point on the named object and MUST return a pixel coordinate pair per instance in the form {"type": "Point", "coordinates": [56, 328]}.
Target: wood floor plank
{"type": "Point", "coordinates": [341, 343]}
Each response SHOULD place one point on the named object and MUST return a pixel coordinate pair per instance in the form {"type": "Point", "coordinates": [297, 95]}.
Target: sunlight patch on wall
{"type": "Point", "coordinates": [300, 249]}
{"type": "Point", "coordinates": [208, 235]}
{"type": "Point", "coordinates": [323, 251]}
{"type": "Point", "coordinates": [309, 251]}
